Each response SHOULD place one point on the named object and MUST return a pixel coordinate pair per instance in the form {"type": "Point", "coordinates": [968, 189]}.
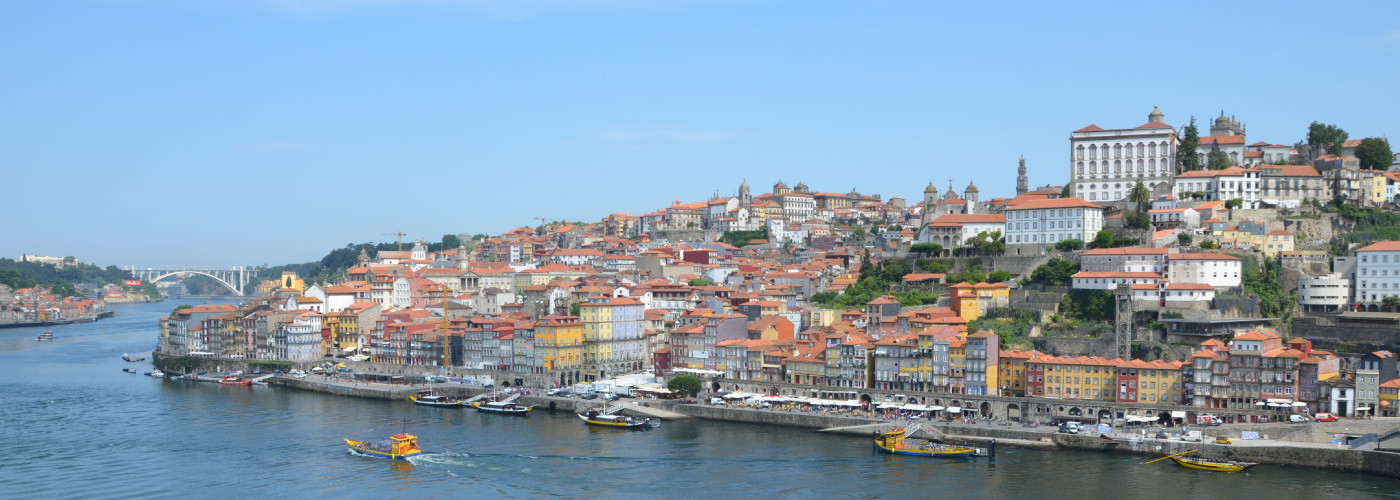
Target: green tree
{"type": "Point", "coordinates": [701, 282]}
{"type": "Point", "coordinates": [179, 308]}
{"type": "Point", "coordinates": [1069, 244]}
{"type": "Point", "coordinates": [450, 241]}
{"type": "Point", "coordinates": [685, 385]}
{"type": "Point", "coordinates": [1055, 272]}
{"type": "Point", "coordinates": [926, 249]}
{"type": "Point", "coordinates": [1391, 303]}
{"type": "Point", "coordinates": [1374, 153]}
{"type": "Point", "coordinates": [1327, 137]}
{"type": "Point", "coordinates": [858, 233]}
{"type": "Point", "coordinates": [1217, 159]}
{"type": "Point", "coordinates": [1233, 203]}
{"type": "Point", "coordinates": [64, 289]}
{"type": "Point", "coordinates": [1064, 192]}
{"type": "Point", "coordinates": [575, 309]}
{"type": "Point", "coordinates": [998, 276]}
{"type": "Point", "coordinates": [1209, 245]}
{"type": "Point", "coordinates": [1139, 195]}
{"type": "Point", "coordinates": [150, 290]}
{"type": "Point", "coordinates": [1137, 220]}
{"type": "Point", "coordinates": [1186, 152]}
{"type": "Point", "coordinates": [1103, 239]}
{"type": "Point", "coordinates": [1183, 239]}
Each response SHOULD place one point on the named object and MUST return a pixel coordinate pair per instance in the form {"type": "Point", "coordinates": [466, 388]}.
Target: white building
{"type": "Point", "coordinates": [1036, 224]}
{"type": "Point", "coordinates": [1326, 293]}
{"type": "Point", "coordinates": [1263, 153]}
{"type": "Point", "coordinates": [953, 230]}
{"type": "Point", "coordinates": [1377, 273]}
{"type": "Point", "coordinates": [1091, 280]}
{"type": "Point", "coordinates": [797, 206]}
{"type": "Point", "coordinates": [1125, 260]}
{"type": "Point", "coordinates": [303, 336]}
{"type": "Point", "coordinates": [1228, 184]}
{"type": "Point", "coordinates": [1215, 269]}
{"type": "Point", "coordinates": [1105, 164]}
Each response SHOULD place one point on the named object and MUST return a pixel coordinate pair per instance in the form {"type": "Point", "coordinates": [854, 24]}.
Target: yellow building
{"type": "Point", "coordinates": [969, 301]}
{"type": "Point", "coordinates": [1013, 371]}
{"type": "Point", "coordinates": [1277, 241]}
{"type": "Point", "coordinates": [1390, 398]}
{"type": "Point", "coordinates": [559, 343]}
{"type": "Point", "coordinates": [957, 365]}
{"type": "Point", "coordinates": [291, 283]}
{"type": "Point", "coordinates": [1157, 382]}
{"type": "Point", "coordinates": [1374, 186]}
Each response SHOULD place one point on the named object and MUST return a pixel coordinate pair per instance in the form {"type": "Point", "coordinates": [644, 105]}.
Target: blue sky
{"type": "Point", "coordinates": [243, 132]}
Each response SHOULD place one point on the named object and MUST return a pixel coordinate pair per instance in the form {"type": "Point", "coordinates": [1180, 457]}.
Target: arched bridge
{"type": "Point", "coordinates": [235, 279]}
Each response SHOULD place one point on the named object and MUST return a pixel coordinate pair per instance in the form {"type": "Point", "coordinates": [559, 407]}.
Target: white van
{"type": "Point", "coordinates": [1192, 436]}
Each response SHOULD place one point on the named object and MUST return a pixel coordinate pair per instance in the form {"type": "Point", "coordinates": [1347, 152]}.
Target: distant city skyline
{"type": "Point", "coordinates": [223, 133]}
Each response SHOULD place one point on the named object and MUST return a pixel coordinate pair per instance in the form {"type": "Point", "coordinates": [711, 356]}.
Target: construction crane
{"type": "Point", "coordinates": [400, 234]}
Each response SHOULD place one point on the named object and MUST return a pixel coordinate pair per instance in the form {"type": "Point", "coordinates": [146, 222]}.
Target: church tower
{"type": "Point", "coordinates": [930, 203]}
{"type": "Point", "coordinates": [970, 195]}
{"type": "Point", "coordinates": [781, 188]}
{"type": "Point", "coordinates": [744, 197]}
{"type": "Point", "coordinates": [363, 259]}
{"type": "Point", "coordinates": [1023, 183]}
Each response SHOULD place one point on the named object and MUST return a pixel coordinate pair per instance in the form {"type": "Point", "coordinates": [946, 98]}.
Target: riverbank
{"type": "Point", "coordinates": [74, 321]}
{"type": "Point", "coordinates": [1264, 451]}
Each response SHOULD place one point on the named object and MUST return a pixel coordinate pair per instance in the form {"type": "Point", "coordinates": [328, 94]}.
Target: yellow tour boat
{"type": "Point", "coordinates": [398, 446]}
{"type": "Point", "coordinates": [600, 419]}
{"type": "Point", "coordinates": [1199, 463]}
{"type": "Point", "coordinates": [893, 442]}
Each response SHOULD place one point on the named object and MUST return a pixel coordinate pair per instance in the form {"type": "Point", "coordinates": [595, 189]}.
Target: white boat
{"type": "Point", "coordinates": [157, 373]}
{"type": "Point", "coordinates": [132, 357]}
{"type": "Point", "coordinates": [44, 336]}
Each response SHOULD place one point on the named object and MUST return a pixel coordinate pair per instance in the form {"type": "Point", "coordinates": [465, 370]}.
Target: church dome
{"type": "Point", "coordinates": [931, 188]}
{"type": "Point", "coordinates": [780, 185]}
{"type": "Point", "coordinates": [971, 187]}
{"type": "Point", "coordinates": [801, 185]}
{"type": "Point", "coordinates": [1222, 121]}
{"type": "Point", "coordinates": [1156, 116]}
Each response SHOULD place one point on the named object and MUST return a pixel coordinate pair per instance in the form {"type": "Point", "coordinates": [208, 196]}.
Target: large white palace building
{"type": "Point", "coordinates": [1105, 164]}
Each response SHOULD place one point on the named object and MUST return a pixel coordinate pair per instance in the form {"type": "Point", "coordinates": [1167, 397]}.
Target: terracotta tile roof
{"type": "Point", "coordinates": [1293, 170]}
{"type": "Point", "coordinates": [1052, 203]}
{"type": "Point", "coordinates": [1201, 256]}
{"type": "Point", "coordinates": [1153, 125]}
{"type": "Point", "coordinates": [1382, 246]}
{"type": "Point", "coordinates": [1110, 274]}
{"type": "Point", "coordinates": [1090, 128]}
{"type": "Point", "coordinates": [1223, 139]}
{"type": "Point", "coordinates": [970, 218]}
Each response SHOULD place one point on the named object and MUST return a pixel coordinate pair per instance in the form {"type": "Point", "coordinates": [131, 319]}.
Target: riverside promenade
{"type": "Point", "coordinates": [1300, 452]}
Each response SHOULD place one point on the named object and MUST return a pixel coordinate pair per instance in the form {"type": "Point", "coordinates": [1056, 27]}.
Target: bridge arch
{"type": "Point", "coordinates": [230, 286]}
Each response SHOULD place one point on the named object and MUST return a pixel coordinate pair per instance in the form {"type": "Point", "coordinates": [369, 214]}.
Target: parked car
{"type": "Point", "coordinates": [1297, 419]}
{"type": "Point", "coordinates": [591, 395]}
{"type": "Point", "coordinates": [611, 397]}
{"type": "Point", "coordinates": [1071, 427]}
{"type": "Point", "coordinates": [1325, 417]}
{"type": "Point", "coordinates": [1223, 440]}
{"type": "Point", "coordinates": [552, 392]}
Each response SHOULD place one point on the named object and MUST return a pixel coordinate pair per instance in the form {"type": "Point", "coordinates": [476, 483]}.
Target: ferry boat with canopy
{"type": "Point", "coordinates": [894, 442]}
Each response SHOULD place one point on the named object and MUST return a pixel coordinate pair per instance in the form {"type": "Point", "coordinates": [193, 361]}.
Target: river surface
{"type": "Point", "coordinates": [75, 426]}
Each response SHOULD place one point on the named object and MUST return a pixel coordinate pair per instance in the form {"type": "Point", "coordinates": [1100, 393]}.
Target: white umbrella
{"type": "Point", "coordinates": [1260, 403]}
{"type": "Point", "coordinates": [1299, 404]}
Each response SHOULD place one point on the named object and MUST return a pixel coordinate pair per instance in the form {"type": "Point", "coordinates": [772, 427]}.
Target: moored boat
{"type": "Point", "coordinates": [399, 446]}
{"type": "Point", "coordinates": [1209, 464]}
{"type": "Point", "coordinates": [129, 370]}
{"type": "Point", "coordinates": [502, 408]}
{"type": "Point", "coordinates": [132, 358]}
{"type": "Point", "coordinates": [47, 335]}
{"type": "Point", "coordinates": [594, 417]}
{"type": "Point", "coordinates": [233, 380]}
{"type": "Point", "coordinates": [894, 442]}
{"type": "Point", "coordinates": [429, 398]}
{"type": "Point", "coordinates": [156, 373]}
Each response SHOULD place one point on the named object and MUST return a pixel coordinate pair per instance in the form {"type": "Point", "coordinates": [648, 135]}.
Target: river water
{"type": "Point", "coordinates": [75, 426]}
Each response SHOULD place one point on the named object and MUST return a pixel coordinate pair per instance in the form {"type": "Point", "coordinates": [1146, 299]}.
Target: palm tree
{"type": "Point", "coordinates": [1139, 195]}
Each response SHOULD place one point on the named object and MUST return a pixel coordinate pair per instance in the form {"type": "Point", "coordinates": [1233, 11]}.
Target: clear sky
{"type": "Point", "coordinates": [243, 132]}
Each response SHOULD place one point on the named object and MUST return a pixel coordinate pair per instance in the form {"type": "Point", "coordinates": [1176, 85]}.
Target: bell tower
{"type": "Point", "coordinates": [1023, 183]}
